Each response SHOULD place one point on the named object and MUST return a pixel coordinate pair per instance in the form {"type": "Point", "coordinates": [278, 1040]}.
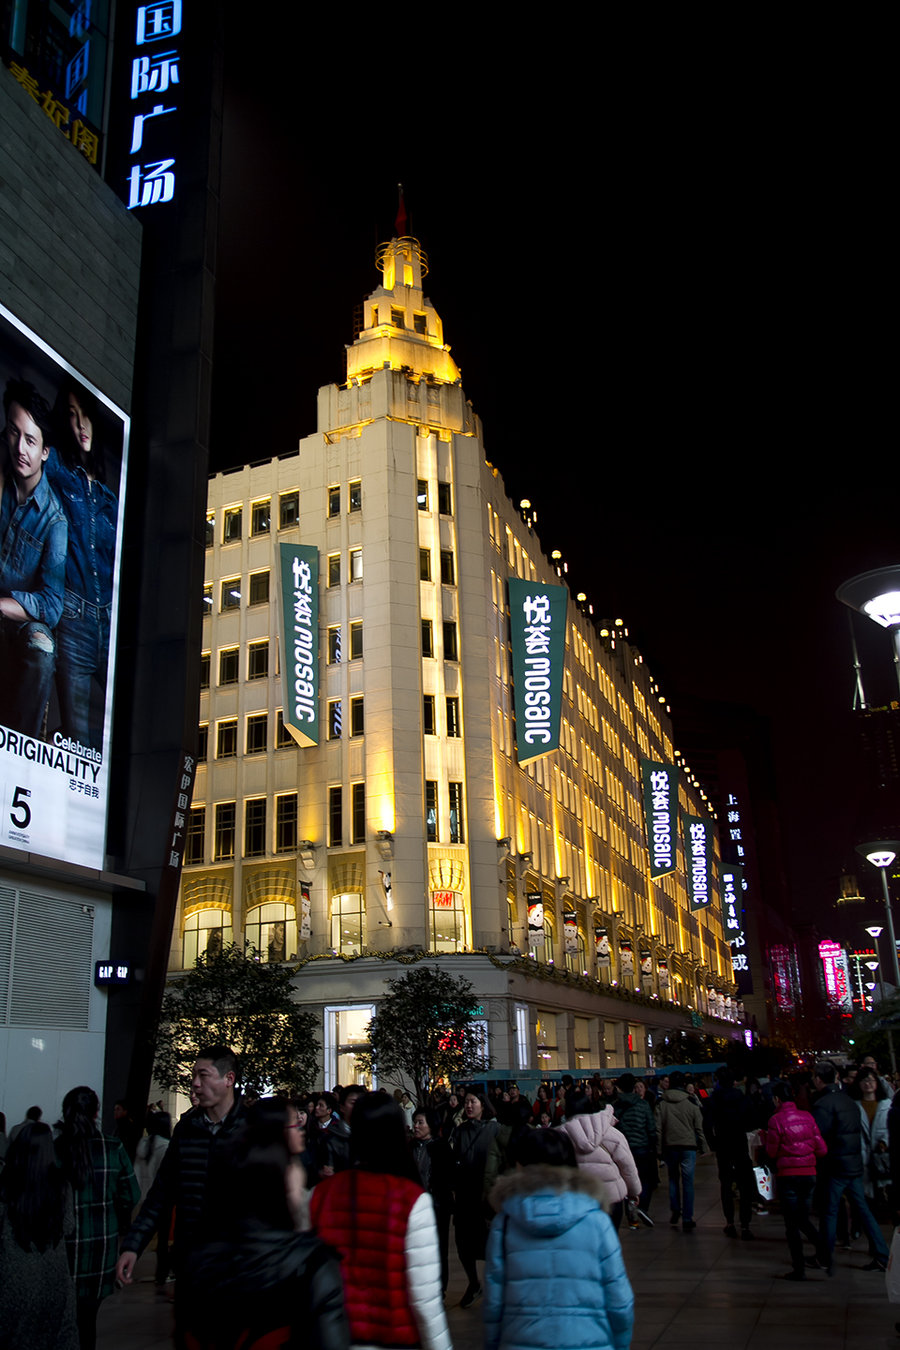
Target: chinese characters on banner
{"type": "Point", "coordinates": [734, 848]}
{"type": "Point", "coordinates": [538, 630]}
{"type": "Point", "coordinates": [660, 783]}
{"type": "Point", "coordinates": [74, 129]}
{"type": "Point", "coordinates": [154, 90]}
{"type": "Point", "coordinates": [698, 861]}
{"type": "Point", "coordinates": [178, 828]}
{"type": "Point", "coordinates": [837, 975]}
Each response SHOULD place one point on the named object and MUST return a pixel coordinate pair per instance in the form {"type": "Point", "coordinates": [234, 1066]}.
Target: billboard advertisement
{"type": "Point", "coordinates": [538, 629]}
{"type": "Point", "coordinates": [698, 847]}
{"type": "Point", "coordinates": [63, 457]}
{"type": "Point", "coordinates": [298, 575]}
{"type": "Point", "coordinates": [660, 784]}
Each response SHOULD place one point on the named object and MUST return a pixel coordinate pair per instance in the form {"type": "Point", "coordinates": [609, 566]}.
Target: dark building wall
{"type": "Point", "coordinates": [70, 252]}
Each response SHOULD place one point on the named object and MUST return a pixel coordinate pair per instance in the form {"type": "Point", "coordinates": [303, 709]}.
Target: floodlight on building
{"type": "Point", "coordinates": [504, 842]}
{"type": "Point", "coordinates": [307, 851]}
{"type": "Point", "coordinates": [384, 842]}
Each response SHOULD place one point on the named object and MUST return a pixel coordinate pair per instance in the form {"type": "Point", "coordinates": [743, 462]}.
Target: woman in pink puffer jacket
{"type": "Point", "coordinates": [603, 1150]}
{"type": "Point", "coordinates": [794, 1141]}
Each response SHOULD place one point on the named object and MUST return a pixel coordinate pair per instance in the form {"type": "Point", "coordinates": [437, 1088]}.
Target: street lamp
{"type": "Point", "coordinates": [876, 594]}
{"type": "Point", "coordinates": [875, 931]}
{"type": "Point", "coordinates": [881, 853]}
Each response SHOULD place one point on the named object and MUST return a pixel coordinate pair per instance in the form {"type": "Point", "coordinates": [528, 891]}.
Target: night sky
{"type": "Point", "coordinates": [666, 299]}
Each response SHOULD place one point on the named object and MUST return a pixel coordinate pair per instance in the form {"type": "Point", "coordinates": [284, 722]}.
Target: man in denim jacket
{"type": "Point", "coordinates": [33, 541]}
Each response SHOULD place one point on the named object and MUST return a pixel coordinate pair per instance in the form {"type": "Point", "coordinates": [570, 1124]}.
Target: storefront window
{"type": "Point", "coordinates": [209, 930]}
{"type": "Point", "coordinates": [448, 922]}
{"type": "Point", "coordinates": [348, 925]}
{"type": "Point", "coordinates": [272, 930]}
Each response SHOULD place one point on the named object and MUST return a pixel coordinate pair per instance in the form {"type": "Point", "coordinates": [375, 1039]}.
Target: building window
{"type": "Point", "coordinates": [347, 1032]}
{"type": "Point", "coordinates": [356, 570]}
{"type": "Point", "coordinates": [261, 517]}
{"type": "Point", "coordinates": [445, 499]}
{"type": "Point", "coordinates": [355, 496]}
{"type": "Point", "coordinates": [448, 569]}
{"type": "Point", "coordinates": [451, 650]}
{"type": "Point", "coordinates": [348, 923]}
{"type": "Point", "coordinates": [358, 812]}
{"type": "Point", "coordinates": [453, 723]}
{"type": "Point", "coordinates": [224, 843]}
{"type": "Point", "coordinates": [397, 317]}
{"type": "Point", "coordinates": [335, 817]}
{"type": "Point", "coordinates": [334, 645]}
{"type": "Point", "coordinates": [259, 588]}
{"type": "Point", "coordinates": [427, 638]}
{"type": "Point", "coordinates": [431, 816]}
{"type": "Point", "coordinates": [195, 839]}
{"type": "Point", "coordinates": [288, 510]}
{"type": "Point", "coordinates": [424, 564]}
{"type": "Point", "coordinates": [448, 921]}
{"type": "Point", "coordinates": [422, 494]}
{"type": "Point", "coordinates": [231, 527]}
{"type": "Point", "coordinates": [228, 665]}
{"type": "Point", "coordinates": [547, 1038]}
{"type": "Point", "coordinates": [255, 828]}
{"type": "Point", "coordinates": [334, 501]}
{"type": "Point", "coordinates": [283, 737]}
{"type": "Point", "coordinates": [204, 670]}
{"type": "Point", "coordinates": [334, 570]}
{"type": "Point", "coordinates": [226, 739]}
{"type": "Point", "coordinates": [457, 827]}
{"type": "Point", "coordinates": [205, 933]}
{"type": "Point", "coordinates": [356, 640]}
{"type": "Point", "coordinates": [271, 930]}
{"type": "Point", "coordinates": [202, 742]}
{"type": "Point", "coordinates": [257, 733]}
{"type": "Point", "coordinates": [257, 660]}
{"type": "Point", "coordinates": [210, 528]}
{"type": "Point", "coordinates": [335, 720]}
{"type": "Point", "coordinates": [357, 715]}
{"type": "Point", "coordinates": [231, 594]}
{"type": "Point", "coordinates": [207, 598]}
{"type": "Point", "coordinates": [419, 324]}
{"type": "Point", "coordinates": [576, 962]}
{"type": "Point", "coordinates": [286, 823]}
{"type": "Point", "coordinates": [523, 1037]}
{"type": "Point", "coordinates": [429, 721]}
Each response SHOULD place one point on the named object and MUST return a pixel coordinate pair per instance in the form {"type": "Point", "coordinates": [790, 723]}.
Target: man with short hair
{"type": "Point", "coordinates": [33, 543]}
{"type": "Point", "coordinates": [727, 1121]}
{"type": "Point", "coordinates": [838, 1119]}
{"type": "Point", "coordinates": [32, 1115]}
{"type": "Point", "coordinates": [186, 1179]}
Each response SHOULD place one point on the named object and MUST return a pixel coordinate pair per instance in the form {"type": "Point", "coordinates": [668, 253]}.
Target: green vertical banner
{"type": "Point", "coordinates": [298, 575]}
{"type": "Point", "coordinates": [660, 783]}
{"type": "Point", "coordinates": [698, 852]}
{"type": "Point", "coordinates": [538, 630]}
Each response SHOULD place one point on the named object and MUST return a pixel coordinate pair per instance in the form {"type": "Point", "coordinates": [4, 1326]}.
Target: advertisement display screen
{"type": "Point", "coordinates": [63, 456]}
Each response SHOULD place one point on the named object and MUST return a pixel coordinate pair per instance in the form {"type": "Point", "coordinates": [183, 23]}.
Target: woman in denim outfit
{"type": "Point", "coordinates": [77, 475]}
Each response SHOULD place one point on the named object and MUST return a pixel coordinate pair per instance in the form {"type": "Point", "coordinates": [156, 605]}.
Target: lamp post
{"type": "Point", "coordinates": [877, 595]}
{"type": "Point", "coordinates": [881, 853]}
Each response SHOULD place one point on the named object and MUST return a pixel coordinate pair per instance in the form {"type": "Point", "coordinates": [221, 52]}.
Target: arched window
{"type": "Point", "coordinates": [577, 961]}
{"type": "Point", "coordinates": [206, 930]}
{"type": "Point", "coordinates": [272, 929]}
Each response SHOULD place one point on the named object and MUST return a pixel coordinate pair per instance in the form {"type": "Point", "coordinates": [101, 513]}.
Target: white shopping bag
{"type": "Point", "coordinates": [764, 1182]}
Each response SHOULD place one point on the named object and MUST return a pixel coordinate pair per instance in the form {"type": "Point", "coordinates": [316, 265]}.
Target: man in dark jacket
{"type": "Point", "coordinates": [838, 1120]}
{"type": "Point", "coordinates": [634, 1118]}
{"type": "Point", "coordinates": [726, 1120]}
{"type": "Point", "coordinates": [187, 1177]}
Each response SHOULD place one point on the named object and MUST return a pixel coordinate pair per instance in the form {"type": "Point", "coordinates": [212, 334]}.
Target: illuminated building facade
{"type": "Point", "coordinates": [411, 828]}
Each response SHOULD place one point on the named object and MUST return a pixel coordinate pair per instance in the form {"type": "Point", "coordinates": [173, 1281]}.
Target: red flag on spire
{"type": "Point", "coordinates": [400, 224]}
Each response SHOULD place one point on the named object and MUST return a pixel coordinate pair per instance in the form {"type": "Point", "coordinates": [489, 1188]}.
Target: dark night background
{"type": "Point", "coordinates": [666, 298]}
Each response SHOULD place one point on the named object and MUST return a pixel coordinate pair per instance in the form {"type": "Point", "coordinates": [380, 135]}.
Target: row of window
{"type": "Point", "coordinates": [354, 498]}
{"type": "Point", "coordinates": [230, 594]}
{"type": "Point", "coordinates": [229, 664]}
{"type": "Point", "coordinates": [334, 567]}
{"type": "Point", "coordinates": [457, 828]}
{"type": "Point", "coordinates": [451, 645]}
{"type": "Point", "coordinates": [429, 716]}
{"type": "Point", "coordinates": [448, 566]}
{"type": "Point", "coordinates": [336, 651]}
{"type": "Point", "coordinates": [257, 730]}
{"type": "Point", "coordinates": [260, 518]}
{"type": "Point", "coordinates": [398, 315]}
{"type": "Point", "coordinates": [444, 497]}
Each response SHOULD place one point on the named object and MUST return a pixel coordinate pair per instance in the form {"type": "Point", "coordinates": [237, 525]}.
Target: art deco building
{"type": "Point", "coordinates": [411, 828]}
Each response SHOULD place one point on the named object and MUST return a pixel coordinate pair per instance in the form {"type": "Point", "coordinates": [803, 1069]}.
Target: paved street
{"type": "Point", "coordinates": [690, 1289]}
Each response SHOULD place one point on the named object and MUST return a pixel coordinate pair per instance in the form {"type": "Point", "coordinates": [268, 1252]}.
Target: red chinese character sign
{"type": "Point", "coordinates": [62, 481]}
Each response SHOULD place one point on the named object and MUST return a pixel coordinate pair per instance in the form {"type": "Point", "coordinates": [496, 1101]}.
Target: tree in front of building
{"type": "Point", "coordinates": [233, 998]}
{"type": "Point", "coordinates": [425, 1030]}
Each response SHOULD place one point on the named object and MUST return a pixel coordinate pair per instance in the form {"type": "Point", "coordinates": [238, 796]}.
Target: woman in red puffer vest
{"type": "Point", "coordinates": [382, 1222]}
{"type": "Point", "coordinates": [794, 1141]}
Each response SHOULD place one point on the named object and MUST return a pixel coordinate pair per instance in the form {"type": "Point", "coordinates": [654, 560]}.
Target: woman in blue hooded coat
{"type": "Point", "coordinates": [554, 1275]}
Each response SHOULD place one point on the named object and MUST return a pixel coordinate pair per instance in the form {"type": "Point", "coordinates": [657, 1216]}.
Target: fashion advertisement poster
{"type": "Point", "coordinates": [63, 453]}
